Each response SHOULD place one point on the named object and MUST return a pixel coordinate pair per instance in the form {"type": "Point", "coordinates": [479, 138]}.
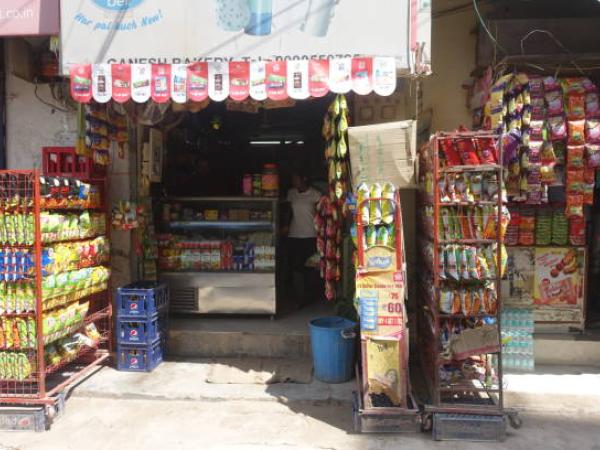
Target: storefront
{"type": "Point", "coordinates": [226, 114]}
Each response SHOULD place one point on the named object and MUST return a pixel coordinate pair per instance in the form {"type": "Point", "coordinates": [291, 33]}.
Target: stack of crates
{"type": "Point", "coordinates": [141, 326]}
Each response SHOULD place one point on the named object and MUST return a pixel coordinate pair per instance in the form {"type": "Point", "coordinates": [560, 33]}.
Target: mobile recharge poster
{"type": "Point", "coordinates": [380, 290]}
{"type": "Point", "coordinates": [559, 277]}
{"type": "Point", "coordinates": [160, 32]}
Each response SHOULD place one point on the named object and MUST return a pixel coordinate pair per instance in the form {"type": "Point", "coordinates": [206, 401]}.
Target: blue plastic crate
{"type": "Point", "coordinates": [142, 299]}
{"type": "Point", "coordinates": [140, 358]}
{"type": "Point", "coordinates": [141, 330]}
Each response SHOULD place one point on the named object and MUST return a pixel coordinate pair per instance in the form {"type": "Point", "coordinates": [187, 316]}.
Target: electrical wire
{"type": "Point", "coordinates": [490, 35]}
{"type": "Point", "coordinates": [51, 105]}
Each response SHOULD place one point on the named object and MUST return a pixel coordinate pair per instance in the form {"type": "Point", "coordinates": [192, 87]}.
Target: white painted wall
{"type": "Point", "coordinates": [31, 125]}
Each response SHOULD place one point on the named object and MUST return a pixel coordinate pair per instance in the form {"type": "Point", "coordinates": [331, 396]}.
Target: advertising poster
{"type": "Point", "coordinates": [559, 277]}
{"type": "Point", "coordinates": [119, 31]}
{"type": "Point", "coordinates": [517, 286]}
{"type": "Point", "coordinates": [385, 374]}
{"type": "Point", "coordinates": [380, 289]}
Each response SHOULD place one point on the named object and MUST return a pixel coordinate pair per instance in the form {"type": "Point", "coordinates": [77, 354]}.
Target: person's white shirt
{"type": "Point", "coordinates": [304, 208]}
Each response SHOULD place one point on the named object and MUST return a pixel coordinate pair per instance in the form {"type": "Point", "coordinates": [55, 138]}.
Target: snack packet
{"type": "Point", "coordinates": [375, 212]}
{"type": "Point", "coordinates": [593, 155]}
{"type": "Point", "coordinates": [451, 153]}
{"type": "Point", "coordinates": [592, 131]}
{"type": "Point", "coordinates": [577, 231]}
{"type": "Point", "coordinates": [558, 128]}
{"type": "Point", "coordinates": [574, 205]}
{"type": "Point", "coordinates": [592, 105]}
{"type": "Point", "coordinates": [363, 194]}
{"type": "Point", "coordinates": [467, 151]}
{"type": "Point", "coordinates": [576, 132]}
{"type": "Point", "coordinates": [388, 206]}
{"type": "Point", "coordinates": [554, 101]}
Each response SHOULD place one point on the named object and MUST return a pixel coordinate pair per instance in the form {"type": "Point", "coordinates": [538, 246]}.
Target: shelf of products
{"type": "Point", "coordinates": [218, 238]}
{"type": "Point", "coordinates": [54, 303]}
{"type": "Point", "coordinates": [463, 258]}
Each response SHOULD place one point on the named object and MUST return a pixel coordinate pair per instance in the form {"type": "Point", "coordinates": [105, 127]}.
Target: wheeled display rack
{"type": "Point", "coordinates": [45, 383]}
{"type": "Point", "coordinates": [456, 402]}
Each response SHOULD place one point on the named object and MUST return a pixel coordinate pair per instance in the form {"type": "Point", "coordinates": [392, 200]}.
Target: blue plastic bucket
{"type": "Point", "coordinates": [333, 341]}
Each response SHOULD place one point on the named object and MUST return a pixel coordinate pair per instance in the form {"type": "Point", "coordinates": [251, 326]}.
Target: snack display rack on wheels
{"type": "Point", "coordinates": [384, 400]}
{"type": "Point", "coordinates": [463, 223]}
{"type": "Point", "coordinates": [55, 309]}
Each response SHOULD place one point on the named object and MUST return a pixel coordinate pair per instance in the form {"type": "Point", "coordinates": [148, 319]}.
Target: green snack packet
{"type": "Point", "coordinates": [31, 332]}
{"type": "Point", "coordinates": [383, 236]}
{"type": "Point", "coordinates": [375, 205]}
{"type": "Point", "coordinates": [2, 229]}
{"type": "Point", "coordinates": [3, 374]}
{"type": "Point", "coordinates": [371, 236]}
{"type": "Point", "coordinates": [21, 232]}
{"type": "Point", "coordinates": [11, 366]}
{"type": "Point", "coordinates": [388, 206]}
{"type": "Point", "coordinates": [22, 331]}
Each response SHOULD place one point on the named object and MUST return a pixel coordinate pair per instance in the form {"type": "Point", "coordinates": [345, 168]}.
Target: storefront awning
{"type": "Point", "coordinates": [221, 31]}
{"type": "Point", "coordinates": [29, 17]}
{"type": "Point", "coordinates": [238, 80]}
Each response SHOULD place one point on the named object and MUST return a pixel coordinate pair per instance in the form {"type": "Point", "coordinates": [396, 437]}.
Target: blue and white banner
{"type": "Point", "coordinates": [221, 31]}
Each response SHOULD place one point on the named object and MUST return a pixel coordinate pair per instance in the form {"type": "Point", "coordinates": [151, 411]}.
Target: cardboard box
{"type": "Point", "coordinates": [476, 341]}
{"type": "Point", "coordinates": [384, 153]}
{"type": "Point", "coordinates": [385, 367]}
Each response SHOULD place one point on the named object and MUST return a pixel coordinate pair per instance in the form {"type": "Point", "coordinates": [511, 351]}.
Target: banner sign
{"type": "Point", "coordinates": [189, 31]}
{"type": "Point", "coordinates": [238, 80]}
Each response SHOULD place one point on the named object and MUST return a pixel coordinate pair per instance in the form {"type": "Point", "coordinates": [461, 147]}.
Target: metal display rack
{"type": "Point", "coordinates": [457, 401]}
{"type": "Point", "coordinates": [371, 413]}
{"type": "Point", "coordinates": [46, 384]}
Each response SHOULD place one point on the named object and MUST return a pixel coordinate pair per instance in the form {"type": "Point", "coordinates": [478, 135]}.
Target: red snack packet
{"type": "Point", "coordinates": [467, 152]}
{"type": "Point", "coordinates": [574, 205]}
{"type": "Point", "coordinates": [487, 151]}
{"type": "Point", "coordinates": [577, 230]}
{"type": "Point", "coordinates": [558, 128]}
{"type": "Point", "coordinates": [451, 153]}
{"type": "Point", "coordinates": [588, 193]}
{"type": "Point", "coordinates": [576, 107]}
{"type": "Point", "coordinates": [589, 175]}
{"type": "Point", "coordinates": [575, 154]}
{"type": "Point", "coordinates": [575, 181]}
{"type": "Point", "coordinates": [576, 132]}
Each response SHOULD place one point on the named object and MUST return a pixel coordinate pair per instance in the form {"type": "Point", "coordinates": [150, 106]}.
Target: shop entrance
{"type": "Point", "coordinates": [223, 220]}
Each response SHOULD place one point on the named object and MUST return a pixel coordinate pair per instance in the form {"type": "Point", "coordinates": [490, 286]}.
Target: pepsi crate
{"type": "Point", "coordinates": [140, 358]}
{"type": "Point", "coordinates": [142, 299]}
{"type": "Point", "coordinates": [141, 330]}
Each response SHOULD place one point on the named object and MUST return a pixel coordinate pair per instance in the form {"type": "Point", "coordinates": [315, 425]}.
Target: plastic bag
{"type": "Point", "coordinates": [576, 106]}
{"type": "Point", "coordinates": [558, 128]}
{"type": "Point", "coordinates": [576, 132]}
{"type": "Point", "coordinates": [555, 103]}
{"type": "Point", "coordinates": [592, 131]}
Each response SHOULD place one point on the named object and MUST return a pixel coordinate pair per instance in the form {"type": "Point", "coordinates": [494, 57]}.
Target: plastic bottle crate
{"type": "Point", "coordinates": [141, 330]}
{"type": "Point", "coordinates": [142, 299]}
{"type": "Point", "coordinates": [140, 358]}
{"type": "Point", "coordinates": [65, 162]}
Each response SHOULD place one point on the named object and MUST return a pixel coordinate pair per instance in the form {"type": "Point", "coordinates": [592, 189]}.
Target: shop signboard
{"type": "Point", "coordinates": [188, 31]}
{"type": "Point", "coordinates": [29, 17]}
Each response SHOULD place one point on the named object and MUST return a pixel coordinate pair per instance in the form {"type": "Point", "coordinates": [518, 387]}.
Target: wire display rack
{"type": "Point", "coordinates": [462, 224]}
{"type": "Point", "coordinates": [29, 297]}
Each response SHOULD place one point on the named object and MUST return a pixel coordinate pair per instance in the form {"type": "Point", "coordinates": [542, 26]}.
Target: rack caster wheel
{"type": "Point", "coordinates": [51, 412]}
{"type": "Point", "coordinates": [515, 421]}
{"type": "Point", "coordinates": [427, 423]}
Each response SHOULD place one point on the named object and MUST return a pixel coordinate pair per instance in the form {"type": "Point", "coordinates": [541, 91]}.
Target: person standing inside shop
{"type": "Point", "coordinates": [301, 232]}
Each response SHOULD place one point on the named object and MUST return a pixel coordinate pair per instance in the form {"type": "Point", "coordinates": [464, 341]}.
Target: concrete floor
{"type": "Point", "coordinates": [102, 424]}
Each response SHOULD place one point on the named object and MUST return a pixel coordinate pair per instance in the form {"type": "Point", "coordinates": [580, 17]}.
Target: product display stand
{"type": "Point", "coordinates": [55, 312]}
{"type": "Point", "coordinates": [384, 401]}
{"type": "Point", "coordinates": [463, 257]}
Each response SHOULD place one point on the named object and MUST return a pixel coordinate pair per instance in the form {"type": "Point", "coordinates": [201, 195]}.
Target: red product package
{"type": "Point", "coordinates": [575, 154]}
{"type": "Point", "coordinates": [577, 230]}
{"type": "Point", "coordinates": [487, 151]}
{"type": "Point", "coordinates": [576, 107]}
{"type": "Point", "coordinates": [558, 128]}
{"type": "Point", "coordinates": [592, 130]}
{"type": "Point", "coordinates": [576, 132]}
{"type": "Point", "coordinates": [593, 155]}
{"type": "Point", "coordinates": [589, 175]}
{"type": "Point", "coordinates": [575, 181]}
{"type": "Point", "coordinates": [574, 205]}
{"type": "Point", "coordinates": [467, 151]}
{"type": "Point", "coordinates": [451, 153]}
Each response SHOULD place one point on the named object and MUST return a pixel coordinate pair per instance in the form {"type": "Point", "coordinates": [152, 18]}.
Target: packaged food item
{"type": "Point", "coordinates": [446, 301]}
{"type": "Point", "coordinates": [467, 302]}
{"type": "Point", "coordinates": [576, 106]}
{"type": "Point", "coordinates": [576, 132]}
{"type": "Point", "coordinates": [451, 153]}
{"type": "Point", "coordinates": [452, 267]}
{"type": "Point", "coordinates": [472, 263]}
{"type": "Point", "coordinates": [593, 155]}
{"type": "Point", "coordinates": [383, 236]}
{"type": "Point", "coordinates": [510, 145]}
{"type": "Point", "coordinates": [575, 156]}
{"type": "Point", "coordinates": [543, 227]}
{"type": "Point", "coordinates": [554, 100]}
{"type": "Point", "coordinates": [560, 228]}
{"type": "Point", "coordinates": [375, 210]}
{"type": "Point", "coordinates": [388, 206]}
{"type": "Point", "coordinates": [592, 131]}
{"type": "Point", "coordinates": [550, 84]}
{"type": "Point", "coordinates": [592, 105]}
{"type": "Point", "coordinates": [467, 151]}
{"type": "Point", "coordinates": [537, 130]}
{"type": "Point", "coordinates": [558, 128]}
{"type": "Point", "coordinates": [577, 231]}
{"type": "Point", "coordinates": [461, 262]}
{"type": "Point", "coordinates": [575, 182]}
{"type": "Point", "coordinates": [574, 205]}
{"type": "Point", "coordinates": [477, 302]}
{"type": "Point", "coordinates": [363, 194]}
{"type": "Point", "coordinates": [487, 151]}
